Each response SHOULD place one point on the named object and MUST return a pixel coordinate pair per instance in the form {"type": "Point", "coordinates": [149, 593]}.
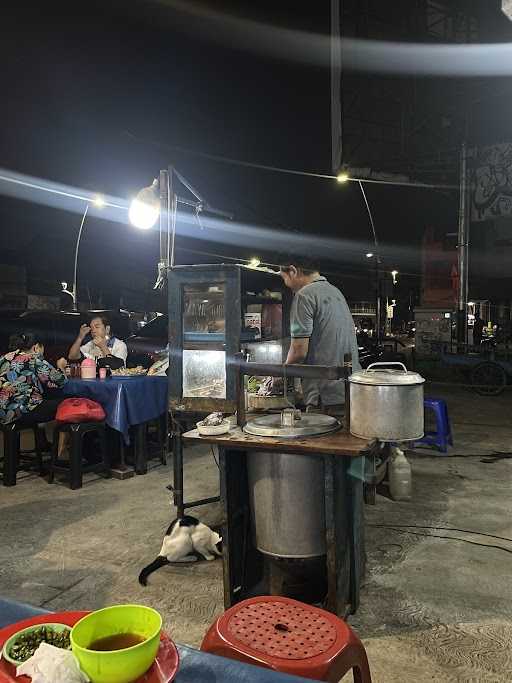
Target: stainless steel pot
{"type": "Point", "coordinates": [386, 402]}
{"type": "Point", "coordinates": [287, 503]}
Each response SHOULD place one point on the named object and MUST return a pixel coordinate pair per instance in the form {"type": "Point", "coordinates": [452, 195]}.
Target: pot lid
{"type": "Point", "coordinates": [310, 424]}
{"type": "Point", "coordinates": [386, 374]}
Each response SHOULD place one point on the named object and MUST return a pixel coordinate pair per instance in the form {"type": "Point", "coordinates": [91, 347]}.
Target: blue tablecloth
{"type": "Point", "coordinates": [195, 666]}
{"type": "Point", "coordinates": [127, 401]}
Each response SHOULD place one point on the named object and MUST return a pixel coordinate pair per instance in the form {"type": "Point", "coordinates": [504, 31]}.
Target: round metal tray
{"type": "Point", "coordinates": [312, 424]}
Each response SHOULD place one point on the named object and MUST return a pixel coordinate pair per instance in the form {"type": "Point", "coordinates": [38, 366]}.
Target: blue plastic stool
{"type": "Point", "coordinates": [442, 437]}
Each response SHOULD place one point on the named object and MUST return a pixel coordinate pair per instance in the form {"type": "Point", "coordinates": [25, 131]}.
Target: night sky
{"type": "Point", "coordinates": [98, 95]}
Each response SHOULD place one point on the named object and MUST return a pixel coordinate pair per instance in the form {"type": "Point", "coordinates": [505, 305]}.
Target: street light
{"type": "Point", "coordinates": [343, 177]}
{"type": "Point", "coordinates": [394, 274]}
{"type": "Point", "coordinates": [254, 263]}
{"type": "Point", "coordinates": [369, 254]}
{"type": "Point", "coordinates": [99, 202]}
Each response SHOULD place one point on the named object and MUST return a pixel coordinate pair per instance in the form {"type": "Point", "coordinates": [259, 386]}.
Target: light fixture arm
{"type": "Point", "coordinates": [189, 186]}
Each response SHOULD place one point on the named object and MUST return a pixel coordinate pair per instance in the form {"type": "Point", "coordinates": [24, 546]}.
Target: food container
{"type": "Point", "coordinates": [88, 369]}
{"type": "Point", "coordinates": [117, 666]}
{"type": "Point", "coordinates": [11, 641]}
{"type": "Point", "coordinates": [213, 430]}
{"type": "Point", "coordinates": [386, 403]}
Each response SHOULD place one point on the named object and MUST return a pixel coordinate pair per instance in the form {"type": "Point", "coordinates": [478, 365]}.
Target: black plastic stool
{"type": "Point", "coordinates": [12, 452]}
{"type": "Point", "coordinates": [78, 430]}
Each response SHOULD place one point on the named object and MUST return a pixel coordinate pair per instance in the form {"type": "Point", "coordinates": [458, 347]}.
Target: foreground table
{"type": "Point", "coordinates": [343, 457]}
{"type": "Point", "coordinates": [195, 666]}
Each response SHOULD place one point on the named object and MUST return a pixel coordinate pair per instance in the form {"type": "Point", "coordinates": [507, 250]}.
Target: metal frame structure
{"type": "Point", "coordinates": [405, 125]}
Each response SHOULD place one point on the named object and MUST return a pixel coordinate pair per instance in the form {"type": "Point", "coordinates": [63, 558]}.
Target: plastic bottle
{"type": "Point", "coordinates": [88, 369]}
{"type": "Point", "coordinates": [400, 475]}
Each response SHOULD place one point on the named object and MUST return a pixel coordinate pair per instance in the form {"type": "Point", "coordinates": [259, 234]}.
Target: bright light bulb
{"type": "Point", "coordinates": [369, 254]}
{"type": "Point", "coordinates": [64, 285]}
{"type": "Point", "coordinates": [142, 215]}
{"type": "Point", "coordinates": [98, 201]}
{"type": "Point", "coordinates": [342, 177]}
{"type": "Point", "coordinates": [254, 263]}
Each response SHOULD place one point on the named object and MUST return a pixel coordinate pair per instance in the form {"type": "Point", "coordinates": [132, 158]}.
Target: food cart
{"type": "Point", "coordinates": [292, 501]}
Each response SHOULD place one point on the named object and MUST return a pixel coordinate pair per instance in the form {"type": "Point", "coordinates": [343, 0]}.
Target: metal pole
{"type": "Point", "coordinates": [172, 210]}
{"type": "Point", "coordinates": [463, 249]}
{"type": "Point", "coordinates": [378, 307]}
{"type": "Point", "coordinates": [336, 103]}
{"type": "Point", "coordinates": [77, 247]}
{"type": "Point", "coordinates": [164, 214]}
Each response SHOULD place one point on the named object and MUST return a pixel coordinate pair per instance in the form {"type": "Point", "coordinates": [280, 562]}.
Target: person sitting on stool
{"type": "Point", "coordinates": [27, 381]}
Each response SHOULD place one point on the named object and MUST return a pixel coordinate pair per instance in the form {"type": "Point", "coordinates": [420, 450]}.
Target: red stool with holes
{"type": "Point", "coordinates": [290, 637]}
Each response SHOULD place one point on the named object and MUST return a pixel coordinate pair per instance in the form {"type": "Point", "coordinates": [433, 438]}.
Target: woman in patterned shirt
{"type": "Point", "coordinates": [26, 381]}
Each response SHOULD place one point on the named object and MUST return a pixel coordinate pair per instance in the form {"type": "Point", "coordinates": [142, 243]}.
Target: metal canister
{"type": "Point", "coordinates": [286, 493]}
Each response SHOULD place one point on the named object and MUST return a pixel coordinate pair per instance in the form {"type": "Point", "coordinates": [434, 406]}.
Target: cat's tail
{"type": "Point", "coordinates": [156, 564]}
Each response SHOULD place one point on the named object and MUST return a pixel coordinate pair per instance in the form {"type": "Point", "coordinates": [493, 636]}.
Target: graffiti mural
{"type": "Point", "coordinates": [491, 182]}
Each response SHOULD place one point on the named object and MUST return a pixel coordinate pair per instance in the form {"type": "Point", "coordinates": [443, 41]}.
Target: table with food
{"type": "Point", "coordinates": [118, 644]}
{"type": "Point", "coordinates": [130, 399]}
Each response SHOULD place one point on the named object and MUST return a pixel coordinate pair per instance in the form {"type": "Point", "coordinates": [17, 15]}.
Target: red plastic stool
{"type": "Point", "coordinates": [290, 637]}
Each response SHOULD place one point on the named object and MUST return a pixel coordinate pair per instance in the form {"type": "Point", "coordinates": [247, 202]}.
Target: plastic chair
{"type": "Point", "coordinates": [13, 453]}
{"type": "Point", "coordinates": [442, 437]}
{"type": "Point", "coordinates": [288, 636]}
{"type": "Point", "coordinates": [75, 467]}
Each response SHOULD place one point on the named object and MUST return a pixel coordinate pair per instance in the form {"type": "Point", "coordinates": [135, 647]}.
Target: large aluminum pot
{"type": "Point", "coordinates": [286, 492]}
{"type": "Point", "coordinates": [386, 403]}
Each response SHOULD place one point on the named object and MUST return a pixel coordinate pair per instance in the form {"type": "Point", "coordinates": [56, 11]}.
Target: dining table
{"type": "Point", "coordinates": [194, 666]}
{"type": "Point", "coordinates": [129, 402]}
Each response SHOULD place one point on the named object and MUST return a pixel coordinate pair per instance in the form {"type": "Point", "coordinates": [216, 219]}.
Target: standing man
{"type": "Point", "coordinates": [478, 329]}
{"type": "Point", "coordinates": [322, 332]}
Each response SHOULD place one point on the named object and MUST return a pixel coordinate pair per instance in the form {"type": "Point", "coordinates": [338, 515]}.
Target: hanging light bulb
{"type": "Point", "coordinates": [145, 207]}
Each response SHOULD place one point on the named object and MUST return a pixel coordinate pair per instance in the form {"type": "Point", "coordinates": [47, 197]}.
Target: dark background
{"type": "Point", "coordinates": [97, 95]}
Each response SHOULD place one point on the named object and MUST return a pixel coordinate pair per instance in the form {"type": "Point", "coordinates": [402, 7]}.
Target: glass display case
{"type": "Point", "coordinates": [216, 312]}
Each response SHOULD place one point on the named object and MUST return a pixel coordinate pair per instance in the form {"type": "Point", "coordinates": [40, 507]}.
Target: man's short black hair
{"type": "Point", "coordinates": [305, 264]}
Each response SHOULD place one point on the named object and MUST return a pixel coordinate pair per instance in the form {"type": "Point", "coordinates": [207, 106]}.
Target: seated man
{"type": "Point", "coordinates": [103, 348]}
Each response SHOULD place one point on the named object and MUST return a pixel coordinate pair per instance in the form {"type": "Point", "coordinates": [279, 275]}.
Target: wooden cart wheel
{"type": "Point", "coordinates": [488, 378]}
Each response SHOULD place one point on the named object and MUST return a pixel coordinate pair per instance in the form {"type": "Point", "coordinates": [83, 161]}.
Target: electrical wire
{"type": "Point", "coordinates": [370, 217]}
{"type": "Point", "coordinates": [290, 171]}
{"type": "Point", "coordinates": [213, 456]}
{"type": "Point", "coordinates": [440, 528]}
{"type": "Point", "coordinates": [449, 538]}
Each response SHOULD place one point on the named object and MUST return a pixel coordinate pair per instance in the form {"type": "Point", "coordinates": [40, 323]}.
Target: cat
{"type": "Point", "coordinates": [184, 537]}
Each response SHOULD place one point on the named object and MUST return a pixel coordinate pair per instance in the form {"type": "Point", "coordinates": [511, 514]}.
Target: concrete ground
{"type": "Point", "coordinates": [437, 600]}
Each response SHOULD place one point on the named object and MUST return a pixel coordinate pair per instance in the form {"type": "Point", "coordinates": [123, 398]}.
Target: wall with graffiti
{"type": "Point", "coordinates": [491, 182]}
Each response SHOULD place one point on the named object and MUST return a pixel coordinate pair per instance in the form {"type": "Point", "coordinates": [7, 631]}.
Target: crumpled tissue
{"type": "Point", "coordinates": [51, 664]}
